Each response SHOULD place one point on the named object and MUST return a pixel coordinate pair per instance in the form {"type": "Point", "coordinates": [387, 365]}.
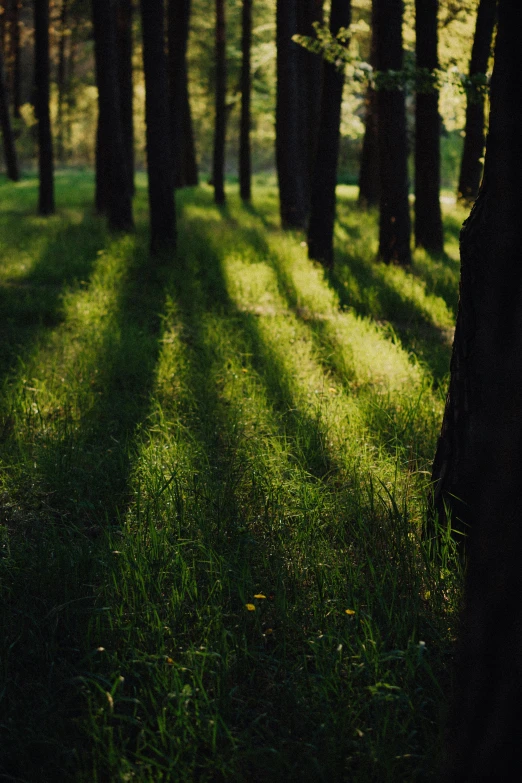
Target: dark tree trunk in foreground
{"type": "Point", "coordinates": [310, 85]}
{"type": "Point", "coordinates": [322, 212]}
{"type": "Point", "coordinates": [157, 117]}
{"type": "Point", "coordinates": [41, 104]}
{"type": "Point", "coordinates": [218, 168]}
{"type": "Point", "coordinates": [113, 182]}
{"type": "Point", "coordinates": [475, 139]}
{"type": "Point", "coordinates": [124, 48]}
{"type": "Point", "coordinates": [292, 170]}
{"type": "Point", "coordinates": [183, 152]}
{"type": "Point", "coordinates": [394, 222]}
{"type": "Point", "coordinates": [428, 218]}
{"type": "Point", "coordinates": [11, 162]}
{"type": "Point", "coordinates": [245, 168]}
{"type": "Point", "coordinates": [61, 82]}
{"type": "Point", "coordinates": [16, 60]}
{"type": "Point", "coordinates": [369, 175]}
{"type": "Point", "coordinates": [480, 452]}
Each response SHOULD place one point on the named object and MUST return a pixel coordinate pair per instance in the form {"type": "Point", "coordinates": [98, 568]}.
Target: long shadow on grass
{"type": "Point", "coordinates": [79, 485]}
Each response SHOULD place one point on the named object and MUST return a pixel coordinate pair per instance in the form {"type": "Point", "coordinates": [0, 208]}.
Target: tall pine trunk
{"type": "Point", "coordinates": [124, 49]}
{"type": "Point", "coordinates": [428, 218]}
{"type": "Point", "coordinates": [157, 117]}
{"type": "Point", "coordinates": [218, 168]}
{"type": "Point", "coordinates": [291, 152]}
{"type": "Point", "coordinates": [11, 161]}
{"type": "Point", "coordinates": [183, 152]}
{"type": "Point", "coordinates": [475, 139]}
{"type": "Point", "coordinates": [369, 175]}
{"type": "Point", "coordinates": [245, 165]}
{"type": "Point", "coordinates": [394, 220]}
{"type": "Point", "coordinates": [41, 101]}
{"type": "Point", "coordinates": [322, 211]}
{"type": "Point", "coordinates": [114, 196]}
{"type": "Point", "coordinates": [480, 453]}
{"type": "Point", "coordinates": [15, 57]}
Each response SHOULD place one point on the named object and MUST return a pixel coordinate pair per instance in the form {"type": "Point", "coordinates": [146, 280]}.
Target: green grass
{"type": "Point", "coordinates": [178, 439]}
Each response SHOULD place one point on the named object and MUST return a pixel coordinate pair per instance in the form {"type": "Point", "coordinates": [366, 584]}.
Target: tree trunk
{"type": "Point", "coordinates": [61, 82]}
{"type": "Point", "coordinates": [322, 212]}
{"type": "Point", "coordinates": [42, 77]}
{"type": "Point", "coordinates": [428, 218]}
{"type": "Point", "coordinates": [480, 452]}
{"type": "Point", "coordinates": [291, 153]}
{"type": "Point", "coordinates": [369, 175]}
{"type": "Point", "coordinates": [113, 186]}
{"type": "Point", "coordinates": [310, 70]}
{"type": "Point", "coordinates": [183, 153]}
{"type": "Point", "coordinates": [474, 141]}
{"type": "Point", "coordinates": [394, 222]}
{"type": "Point", "coordinates": [14, 36]}
{"type": "Point", "coordinates": [245, 167]}
{"type": "Point", "coordinates": [218, 169]}
{"type": "Point", "coordinates": [124, 48]}
{"type": "Point", "coordinates": [11, 162]}
{"type": "Point", "coordinates": [157, 117]}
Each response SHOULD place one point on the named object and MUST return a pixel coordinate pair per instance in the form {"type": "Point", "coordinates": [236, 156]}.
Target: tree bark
{"type": "Point", "coordinates": [218, 168]}
{"type": "Point", "coordinates": [183, 152]}
{"type": "Point", "coordinates": [291, 153]}
{"type": "Point", "coordinates": [369, 175]}
{"type": "Point", "coordinates": [11, 161]}
{"type": "Point", "coordinates": [124, 48]}
{"type": "Point", "coordinates": [474, 141]}
{"type": "Point", "coordinates": [113, 194]}
{"type": "Point", "coordinates": [480, 453]}
{"type": "Point", "coordinates": [394, 221]}
{"type": "Point", "coordinates": [245, 166]}
{"type": "Point", "coordinates": [157, 116]}
{"type": "Point", "coordinates": [61, 81]}
{"type": "Point", "coordinates": [322, 212]}
{"type": "Point", "coordinates": [428, 218]}
{"type": "Point", "coordinates": [42, 91]}
{"type": "Point", "coordinates": [15, 57]}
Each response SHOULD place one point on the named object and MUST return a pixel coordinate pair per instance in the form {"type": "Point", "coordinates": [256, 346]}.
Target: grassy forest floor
{"type": "Point", "coordinates": [213, 482]}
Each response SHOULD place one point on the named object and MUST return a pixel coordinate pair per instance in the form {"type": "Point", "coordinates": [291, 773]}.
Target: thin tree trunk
{"type": "Point", "coordinates": [157, 117]}
{"type": "Point", "coordinates": [14, 35]}
{"type": "Point", "coordinates": [42, 92]}
{"type": "Point", "coordinates": [480, 453]}
{"type": "Point", "coordinates": [322, 212]}
{"type": "Point", "coordinates": [61, 81]}
{"type": "Point", "coordinates": [11, 161]}
{"type": "Point", "coordinates": [428, 218]}
{"type": "Point", "coordinates": [394, 221]}
{"type": "Point", "coordinates": [124, 45]}
{"type": "Point", "coordinates": [245, 165]}
{"type": "Point", "coordinates": [369, 175]}
{"type": "Point", "coordinates": [475, 139]}
{"type": "Point", "coordinates": [291, 153]}
{"type": "Point", "coordinates": [114, 186]}
{"type": "Point", "coordinates": [218, 168]}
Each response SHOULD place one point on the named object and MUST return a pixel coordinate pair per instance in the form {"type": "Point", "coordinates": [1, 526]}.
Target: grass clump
{"type": "Point", "coordinates": [213, 487]}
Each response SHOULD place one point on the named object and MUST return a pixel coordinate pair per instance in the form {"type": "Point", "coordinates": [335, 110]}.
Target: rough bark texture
{"type": "Point", "coordinates": [322, 211]}
{"type": "Point", "coordinates": [11, 161]}
{"type": "Point", "coordinates": [245, 167]}
{"type": "Point", "coordinates": [480, 452]}
{"type": "Point", "coordinates": [394, 222]}
{"type": "Point", "coordinates": [369, 175]}
{"type": "Point", "coordinates": [113, 185]}
{"type": "Point", "coordinates": [428, 218]}
{"type": "Point", "coordinates": [124, 47]}
{"type": "Point", "coordinates": [41, 102]}
{"type": "Point", "coordinates": [183, 152]}
{"type": "Point", "coordinates": [474, 141]}
{"type": "Point", "coordinates": [291, 153]}
{"type": "Point", "coordinates": [218, 167]}
{"type": "Point", "coordinates": [157, 117]}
